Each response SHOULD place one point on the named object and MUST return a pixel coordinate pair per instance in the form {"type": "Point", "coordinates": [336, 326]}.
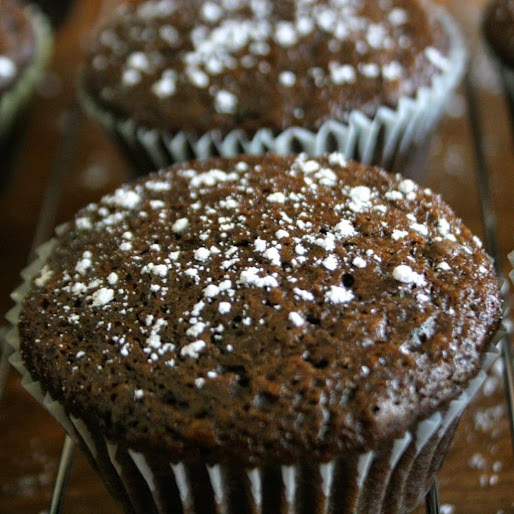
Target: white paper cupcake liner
{"type": "Point", "coordinates": [511, 274]}
{"type": "Point", "coordinates": [389, 139]}
{"type": "Point", "coordinates": [13, 100]}
{"type": "Point", "coordinates": [393, 478]}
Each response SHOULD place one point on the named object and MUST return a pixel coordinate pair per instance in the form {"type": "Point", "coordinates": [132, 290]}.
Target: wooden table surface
{"type": "Point", "coordinates": [478, 474]}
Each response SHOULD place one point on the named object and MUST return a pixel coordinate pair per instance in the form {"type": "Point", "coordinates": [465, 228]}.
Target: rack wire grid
{"type": "Point", "coordinates": [47, 217]}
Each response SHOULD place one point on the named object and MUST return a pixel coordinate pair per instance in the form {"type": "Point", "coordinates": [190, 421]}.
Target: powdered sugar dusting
{"type": "Point", "coordinates": [242, 34]}
{"type": "Point", "coordinates": [186, 269]}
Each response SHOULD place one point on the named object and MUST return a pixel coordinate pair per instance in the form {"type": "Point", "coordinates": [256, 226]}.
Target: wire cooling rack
{"type": "Point", "coordinates": [46, 222]}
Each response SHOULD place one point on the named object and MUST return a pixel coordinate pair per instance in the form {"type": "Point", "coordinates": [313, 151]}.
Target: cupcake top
{"type": "Point", "coordinates": [260, 308]}
{"type": "Point", "coordinates": [499, 29]}
{"type": "Point", "coordinates": [16, 42]}
{"type": "Point", "coordinates": [197, 65]}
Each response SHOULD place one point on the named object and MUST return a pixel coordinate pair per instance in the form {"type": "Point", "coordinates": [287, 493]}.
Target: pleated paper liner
{"type": "Point", "coordinates": [13, 100]}
{"type": "Point", "coordinates": [393, 139]}
{"type": "Point", "coordinates": [393, 478]}
{"type": "Point", "coordinates": [511, 258]}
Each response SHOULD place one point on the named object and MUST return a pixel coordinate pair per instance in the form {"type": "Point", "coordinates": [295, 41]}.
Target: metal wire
{"type": "Point", "coordinates": [491, 234]}
{"type": "Point", "coordinates": [509, 95]}
{"type": "Point", "coordinates": [63, 474]}
{"type": "Point", "coordinates": [432, 499]}
{"type": "Point", "coordinates": [4, 360]}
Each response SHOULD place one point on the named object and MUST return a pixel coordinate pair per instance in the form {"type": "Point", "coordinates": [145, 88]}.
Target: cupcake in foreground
{"type": "Point", "coordinates": [176, 79]}
{"type": "Point", "coordinates": [260, 334]}
{"type": "Point", "coordinates": [498, 28]}
{"type": "Point", "coordinates": [25, 41]}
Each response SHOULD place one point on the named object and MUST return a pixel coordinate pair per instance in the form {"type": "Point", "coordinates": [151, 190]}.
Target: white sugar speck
{"type": "Point", "coordinates": [359, 262]}
{"type": "Point", "coordinates": [303, 294]}
{"type": "Point", "coordinates": [211, 12]}
{"type": "Point", "coordinates": [399, 234]}
{"type": "Point", "coordinates": [287, 78]}
{"type": "Point", "coordinates": [83, 265]}
{"type": "Point", "coordinates": [360, 198]}
{"type": "Point", "coordinates": [138, 394]}
{"type": "Point", "coordinates": [180, 226]}
{"type": "Point", "coordinates": [276, 198]}
{"type": "Point", "coordinates": [360, 194]}
{"type": "Point", "coordinates": [296, 319]}
{"type": "Point", "coordinates": [338, 159]}
{"type": "Point", "coordinates": [331, 263]}
{"type": "Point", "coordinates": [420, 229]}
{"type": "Point", "coordinates": [192, 350]}
{"type": "Point", "coordinates": [285, 34]}
{"type": "Point", "coordinates": [198, 78]}
{"type": "Point", "coordinates": [250, 276]}
{"type": "Point", "coordinates": [398, 16]}
{"type": "Point", "coordinates": [123, 198]}
{"type": "Point", "coordinates": [225, 102]}
{"type": "Point", "coordinates": [202, 254]}
{"type": "Point", "coordinates": [165, 87]}
{"type": "Point", "coordinates": [369, 70]}
{"type": "Point", "coordinates": [339, 295]}
{"type": "Point", "coordinates": [443, 227]}
{"type": "Point", "coordinates": [260, 245]}
{"type": "Point", "coordinates": [102, 297]}
{"type": "Point", "coordinates": [159, 270]}
{"type": "Point", "coordinates": [392, 71]}
{"type": "Point", "coordinates": [199, 382]}
{"type": "Point", "coordinates": [342, 74]}
{"type": "Point", "coordinates": [407, 275]}
{"type": "Point", "coordinates": [211, 291]}
{"type": "Point", "coordinates": [138, 61]}
{"type": "Point", "coordinates": [224, 308]}
{"type": "Point", "coordinates": [130, 77]}
{"type": "Point", "coordinates": [407, 186]}
{"type": "Point", "coordinates": [7, 68]}
{"type": "Point", "coordinates": [158, 186]}
{"type": "Point", "coordinates": [345, 228]}
{"type": "Point", "coordinates": [83, 223]}
{"type": "Point", "coordinates": [273, 255]}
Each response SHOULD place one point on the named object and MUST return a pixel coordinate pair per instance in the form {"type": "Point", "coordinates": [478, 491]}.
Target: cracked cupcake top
{"type": "Point", "coordinates": [199, 65]}
{"type": "Point", "coordinates": [260, 308]}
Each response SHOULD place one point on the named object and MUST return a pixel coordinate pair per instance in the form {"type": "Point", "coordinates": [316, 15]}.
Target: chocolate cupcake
{"type": "Point", "coordinates": [498, 28]}
{"type": "Point", "coordinates": [56, 10]}
{"type": "Point", "coordinates": [172, 80]}
{"type": "Point", "coordinates": [261, 334]}
{"type": "Point", "coordinates": [25, 41]}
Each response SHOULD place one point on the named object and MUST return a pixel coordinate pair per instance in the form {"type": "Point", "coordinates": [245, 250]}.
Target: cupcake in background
{"type": "Point", "coordinates": [498, 26]}
{"type": "Point", "coordinates": [25, 42]}
{"type": "Point", "coordinates": [56, 10]}
{"type": "Point", "coordinates": [261, 334]}
{"type": "Point", "coordinates": [175, 79]}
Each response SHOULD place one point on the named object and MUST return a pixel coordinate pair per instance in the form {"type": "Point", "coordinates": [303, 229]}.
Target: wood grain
{"type": "Point", "coordinates": [478, 474]}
